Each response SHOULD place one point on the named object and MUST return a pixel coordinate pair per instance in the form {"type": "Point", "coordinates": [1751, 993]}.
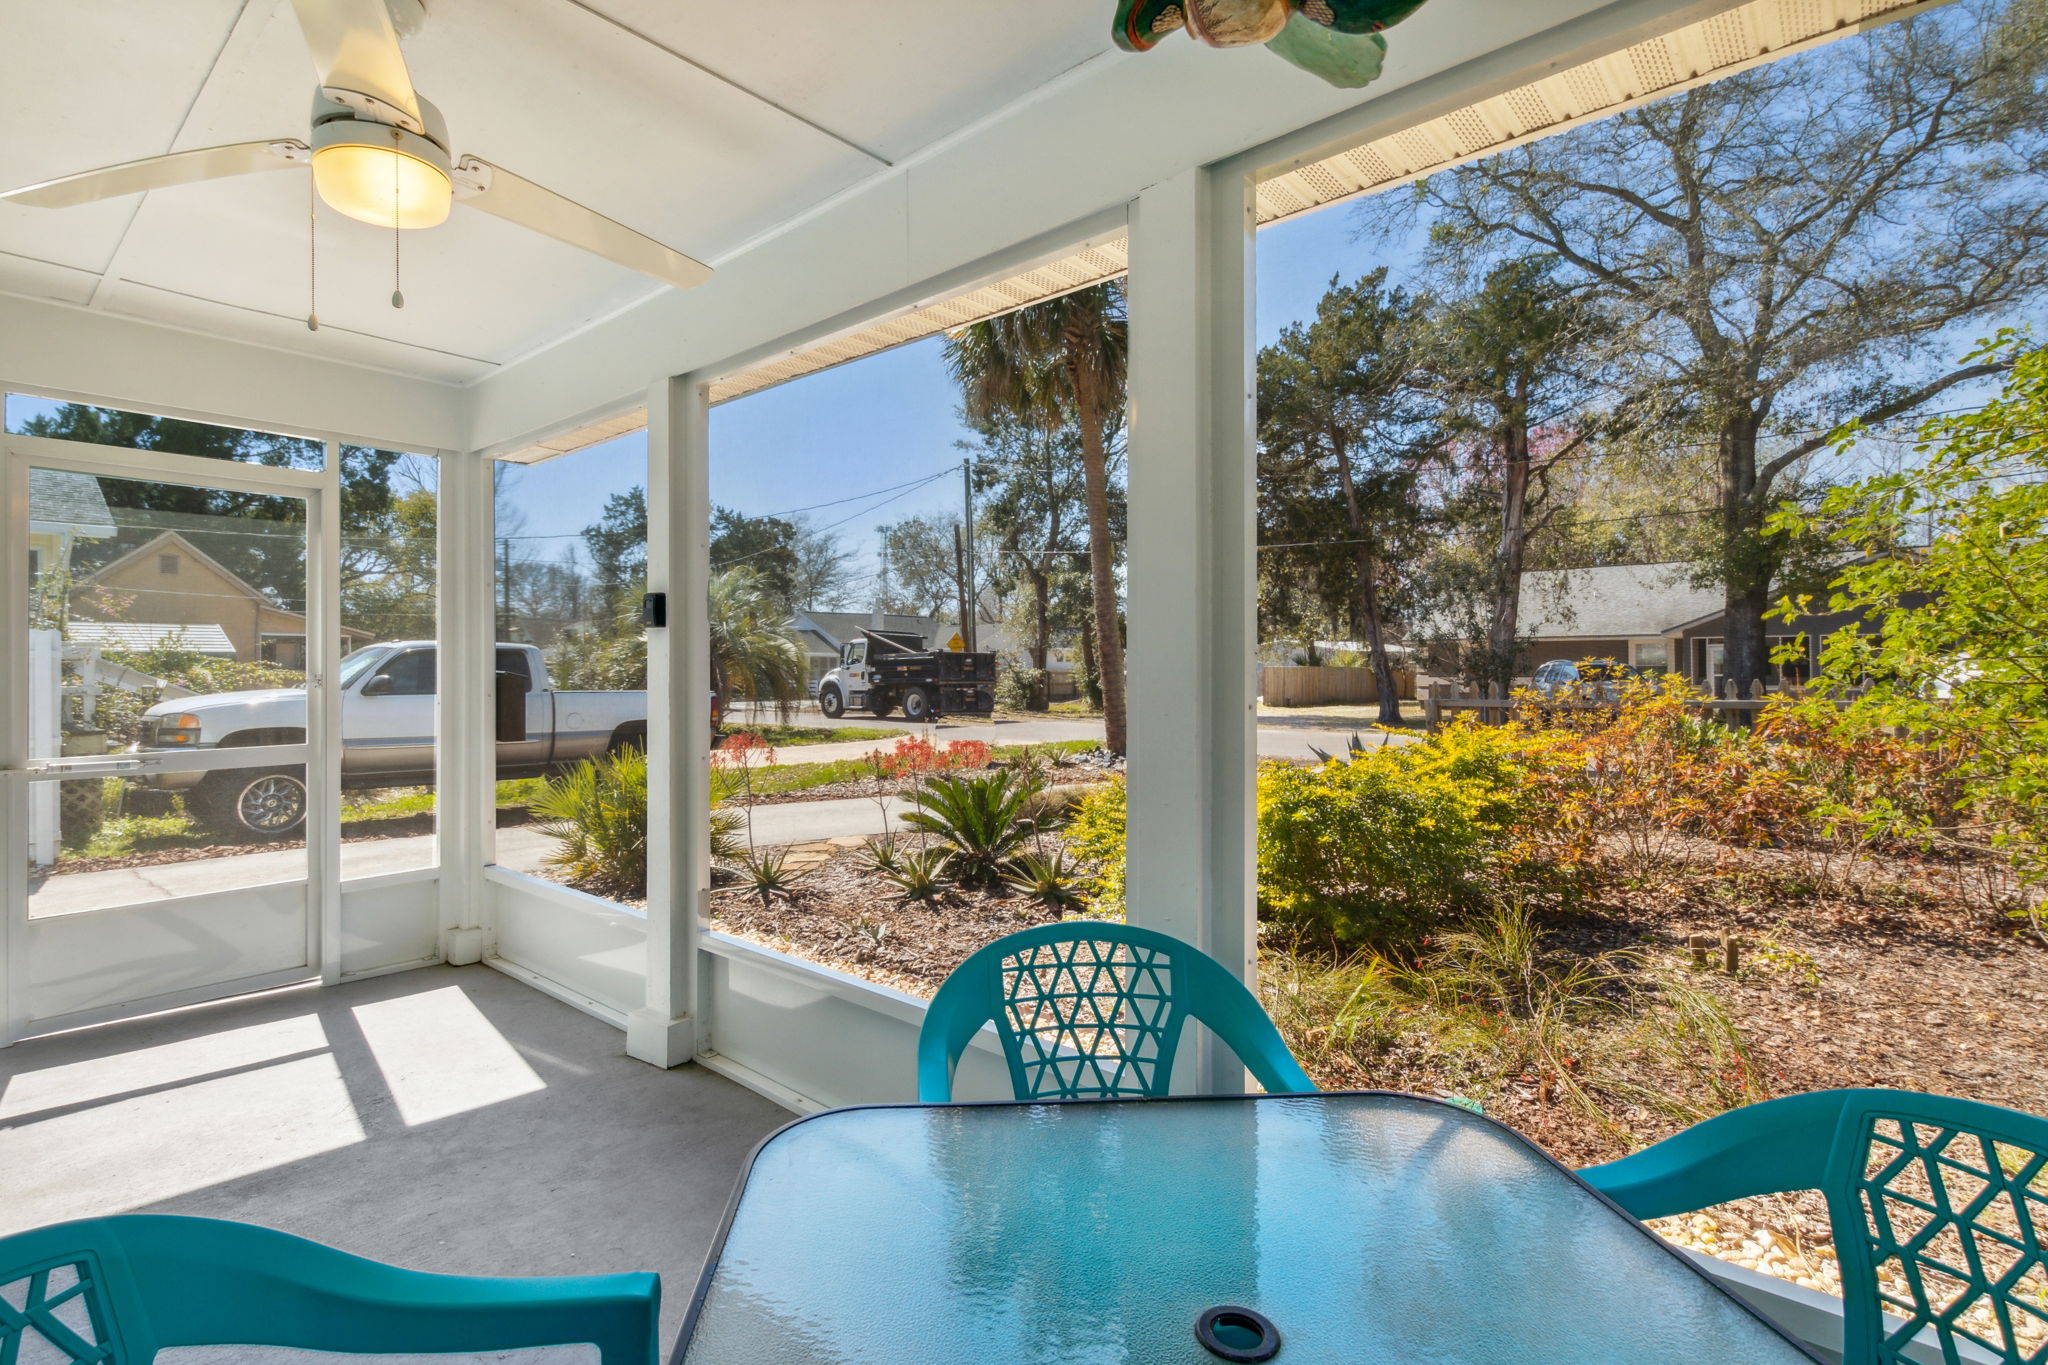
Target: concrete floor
{"type": "Point", "coordinates": [449, 1119]}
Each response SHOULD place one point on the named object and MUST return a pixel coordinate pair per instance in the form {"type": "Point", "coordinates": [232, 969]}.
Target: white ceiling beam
{"type": "Point", "coordinates": [59, 351]}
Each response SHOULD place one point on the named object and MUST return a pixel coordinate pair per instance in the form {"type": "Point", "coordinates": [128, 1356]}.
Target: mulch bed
{"type": "Point", "coordinates": [843, 916]}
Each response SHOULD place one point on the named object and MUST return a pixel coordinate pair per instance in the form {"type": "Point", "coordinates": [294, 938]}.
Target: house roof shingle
{"type": "Point", "coordinates": [137, 636]}
{"type": "Point", "coordinates": [58, 497]}
{"type": "Point", "coordinates": [1616, 600]}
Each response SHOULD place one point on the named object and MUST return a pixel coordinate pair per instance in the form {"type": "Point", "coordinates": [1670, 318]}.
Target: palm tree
{"type": "Point", "coordinates": [1059, 362]}
{"type": "Point", "coordinates": [754, 655]}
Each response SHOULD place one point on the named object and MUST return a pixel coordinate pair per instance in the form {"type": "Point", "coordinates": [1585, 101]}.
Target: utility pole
{"type": "Point", "coordinates": [960, 578]}
{"type": "Point", "coordinates": [504, 587]}
{"type": "Point", "coordinates": [881, 579]}
{"type": "Point", "coordinates": [970, 599]}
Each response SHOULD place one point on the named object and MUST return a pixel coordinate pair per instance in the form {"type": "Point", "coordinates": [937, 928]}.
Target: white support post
{"type": "Point", "coordinates": [14, 749]}
{"type": "Point", "coordinates": [466, 769]}
{"type": "Point", "coordinates": [323, 722]}
{"type": "Point", "coordinates": [668, 1029]}
{"type": "Point", "coordinates": [1192, 566]}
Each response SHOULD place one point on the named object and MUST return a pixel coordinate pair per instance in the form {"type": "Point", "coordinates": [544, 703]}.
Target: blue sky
{"type": "Point", "coordinates": [876, 422]}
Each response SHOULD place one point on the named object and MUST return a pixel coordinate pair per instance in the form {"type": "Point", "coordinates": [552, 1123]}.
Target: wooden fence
{"type": "Point", "coordinates": [1496, 709]}
{"type": "Point", "coordinates": [1303, 685]}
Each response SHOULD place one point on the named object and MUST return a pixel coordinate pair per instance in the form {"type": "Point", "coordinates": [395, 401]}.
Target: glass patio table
{"type": "Point", "coordinates": [1352, 1227]}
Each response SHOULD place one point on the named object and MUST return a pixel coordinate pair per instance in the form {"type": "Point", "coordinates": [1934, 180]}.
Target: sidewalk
{"type": "Point", "coordinates": [524, 848]}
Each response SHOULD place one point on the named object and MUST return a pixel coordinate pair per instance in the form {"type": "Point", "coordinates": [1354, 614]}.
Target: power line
{"type": "Point", "coordinates": [834, 525]}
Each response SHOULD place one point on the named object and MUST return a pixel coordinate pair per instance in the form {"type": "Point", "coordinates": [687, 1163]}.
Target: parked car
{"type": "Point", "coordinates": [387, 733]}
{"type": "Point", "coordinates": [1584, 680]}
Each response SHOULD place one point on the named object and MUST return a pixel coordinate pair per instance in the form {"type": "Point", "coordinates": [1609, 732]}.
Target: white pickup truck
{"type": "Point", "coordinates": [387, 733]}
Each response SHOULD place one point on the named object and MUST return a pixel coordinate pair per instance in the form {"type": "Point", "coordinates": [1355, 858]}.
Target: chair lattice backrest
{"type": "Point", "coordinates": [1939, 1208]}
{"type": "Point", "coordinates": [1091, 1009]}
{"type": "Point", "coordinates": [1090, 1017]}
{"type": "Point", "coordinates": [57, 1312]}
{"type": "Point", "coordinates": [1946, 1226]}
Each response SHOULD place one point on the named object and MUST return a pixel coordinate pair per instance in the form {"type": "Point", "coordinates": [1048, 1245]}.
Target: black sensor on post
{"type": "Point", "coordinates": [654, 609]}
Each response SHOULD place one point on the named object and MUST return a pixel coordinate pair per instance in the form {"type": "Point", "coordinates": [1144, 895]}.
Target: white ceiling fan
{"type": "Point", "coordinates": [378, 152]}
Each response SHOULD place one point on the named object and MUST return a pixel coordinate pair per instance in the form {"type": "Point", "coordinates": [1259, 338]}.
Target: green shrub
{"type": "Point", "coordinates": [1379, 848]}
{"type": "Point", "coordinates": [1020, 689]}
{"type": "Point", "coordinates": [598, 809]}
{"type": "Point", "coordinates": [1095, 835]}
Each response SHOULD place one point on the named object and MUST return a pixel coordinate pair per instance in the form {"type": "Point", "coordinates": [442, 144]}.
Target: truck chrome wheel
{"type": "Point", "coordinates": [250, 803]}
{"type": "Point", "coordinates": [831, 703]}
{"type": "Point", "coordinates": [917, 704]}
{"type": "Point", "coordinates": [273, 804]}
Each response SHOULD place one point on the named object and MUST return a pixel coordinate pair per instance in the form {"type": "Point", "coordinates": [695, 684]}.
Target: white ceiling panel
{"type": "Point", "coordinates": [703, 126]}
{"type": "Point", "coordinates": [93, 84]}
{"type": "Point", "coordinates": [891, 77]}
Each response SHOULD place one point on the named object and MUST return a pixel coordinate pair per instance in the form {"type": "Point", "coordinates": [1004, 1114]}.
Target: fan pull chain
{"type": "Point", "coordinates": [312, 257]}
{"type": "Point", "coordinates": [397, 294]}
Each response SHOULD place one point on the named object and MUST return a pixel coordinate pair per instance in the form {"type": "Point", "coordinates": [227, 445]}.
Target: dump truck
{"type": "Point", "coordinates": [885, 669]}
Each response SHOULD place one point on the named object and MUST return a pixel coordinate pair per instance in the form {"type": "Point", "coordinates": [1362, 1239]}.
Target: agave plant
{"type": "Point", "coordinates": [1047, 878]}
{"type": "Point", "coordinates": [979, 821]}
{"type": "Point", "coordinates": [881, 854]}
{"type": "Point", "coordinates": [920, 875]}
{"type": "Point", "coordinates": [769, 874]}
{"type": "Point", "coordinates": [1356, 749]}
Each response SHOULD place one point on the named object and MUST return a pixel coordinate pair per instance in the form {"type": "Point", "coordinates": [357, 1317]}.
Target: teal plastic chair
{"type": "Point", "coordinates": [1949, 1194]}
{"type": "Point", "coordinates": [1090, 1009]}
{"type": "Point", "coordinates": [115, 1291]}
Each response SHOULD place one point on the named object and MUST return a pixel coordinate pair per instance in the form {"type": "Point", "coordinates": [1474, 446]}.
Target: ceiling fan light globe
{"type": "Point", "coordinates": [381, 175]}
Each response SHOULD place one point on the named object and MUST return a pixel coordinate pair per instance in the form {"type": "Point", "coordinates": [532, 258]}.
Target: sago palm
{"type": "Point", "coordinates": [980, 822]}
{"type": "Point", "coordinates": [754, 654]}
{"type": "Point", "coordinates": [1059, 362]}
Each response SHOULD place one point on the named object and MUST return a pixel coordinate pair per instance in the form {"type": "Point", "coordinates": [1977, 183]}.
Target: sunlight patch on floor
{"type": "Point", "coordinates": [129, 1153]}
{"type": "Point", "coordinates": [100, 1080]}
{"type": "Point", "coordinates": [440, 1056]}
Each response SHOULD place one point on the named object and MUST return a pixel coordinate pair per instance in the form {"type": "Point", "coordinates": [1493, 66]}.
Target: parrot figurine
{"type": "Point", "coordinates": [1338, 40]}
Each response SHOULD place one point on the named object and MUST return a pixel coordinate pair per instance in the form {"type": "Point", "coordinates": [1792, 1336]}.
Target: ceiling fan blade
{"type": "Point", "coordinates": [497, 191]}
{"type": "Point", "coordinates": [355, 51]}
{"type": "Point", "coordinates": [161, 172]}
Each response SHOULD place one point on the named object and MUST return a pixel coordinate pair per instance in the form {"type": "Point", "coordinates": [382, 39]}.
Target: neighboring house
{"type": "Point", "coordinates": [1630, 612]}
{"type": "Point", "coordinates": [1651, 615]}
{"type": "Point", "coordinates": [1013, 650]}
{"type": "Point", "coordinates": [169, 583]}
{"type": "Point", "coordinates": [63, 509]}
{"type": "Point", "coordinates": [824, 632]}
